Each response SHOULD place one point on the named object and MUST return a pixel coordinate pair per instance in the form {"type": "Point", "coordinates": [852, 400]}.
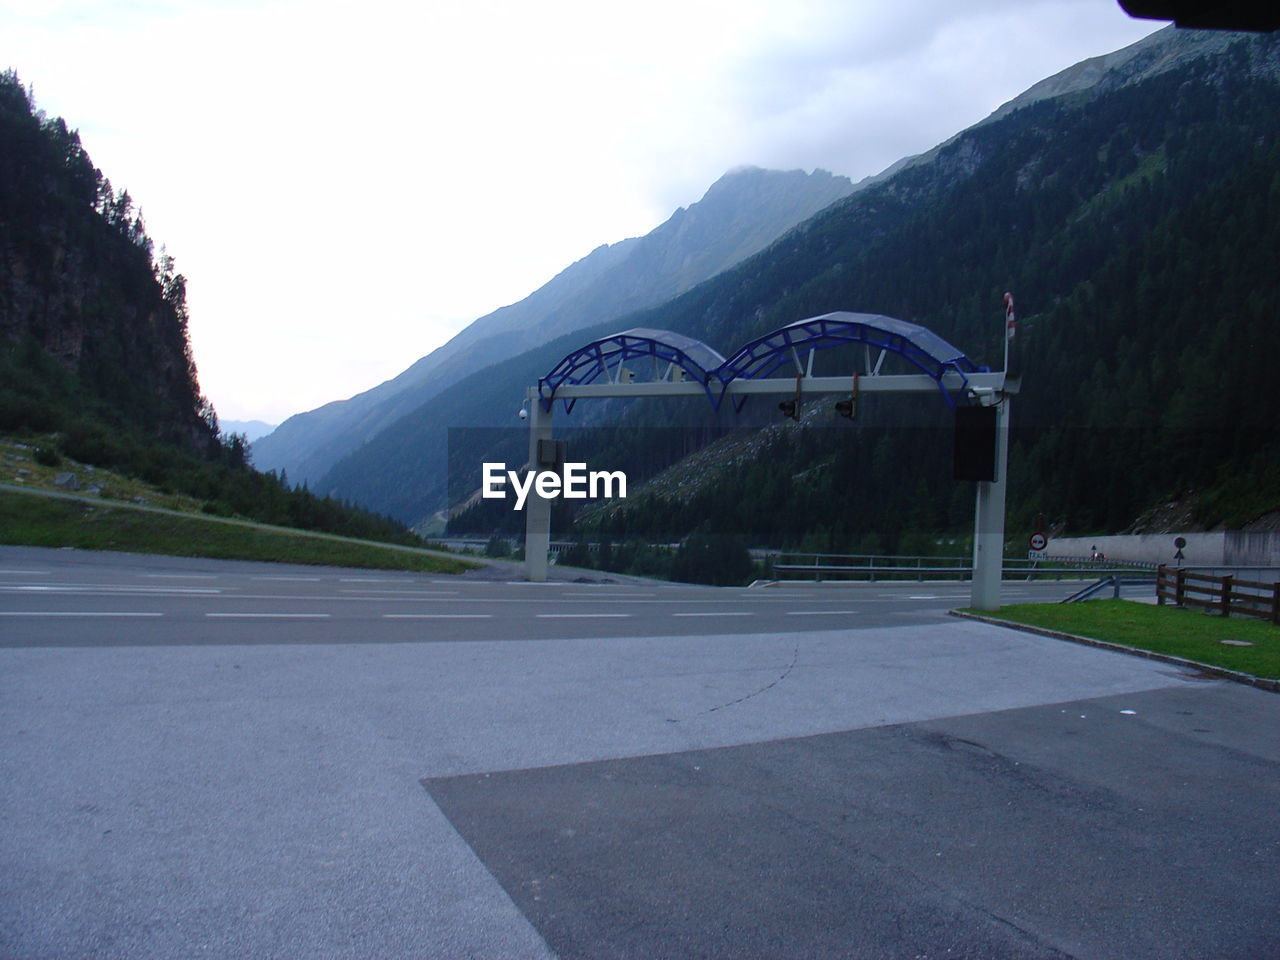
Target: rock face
{"type": "Point", "coordinates": [742, 213]}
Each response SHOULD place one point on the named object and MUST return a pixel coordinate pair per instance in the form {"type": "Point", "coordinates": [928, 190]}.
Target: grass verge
{"type": "Point", "coordinates": [1167, 630]}
{"type": "Point", "coordinates": [49, 522]}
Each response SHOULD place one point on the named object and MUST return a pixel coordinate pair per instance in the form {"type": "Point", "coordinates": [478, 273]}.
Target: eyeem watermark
{"type": "Point", "coordinates": [577, 483]}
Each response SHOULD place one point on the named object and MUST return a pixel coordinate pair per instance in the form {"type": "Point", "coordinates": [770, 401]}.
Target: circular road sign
{"type": "Point", "coordinates": [1038, 541]}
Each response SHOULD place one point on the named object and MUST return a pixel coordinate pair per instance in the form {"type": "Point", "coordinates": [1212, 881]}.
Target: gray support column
{"type": "Point", "coordinates": [537, 510]}
{"type": "Point", "coordinates": [988, 521]}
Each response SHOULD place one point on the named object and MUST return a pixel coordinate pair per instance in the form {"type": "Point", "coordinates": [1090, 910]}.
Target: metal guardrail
{"type": "Point", "coordinates": [871, 568]}
{"type": "Point", "coordinates": [1117, 584]}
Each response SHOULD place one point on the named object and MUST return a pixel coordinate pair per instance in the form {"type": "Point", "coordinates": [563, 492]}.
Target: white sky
{"type": "Point", "coordinates": [346, 185]}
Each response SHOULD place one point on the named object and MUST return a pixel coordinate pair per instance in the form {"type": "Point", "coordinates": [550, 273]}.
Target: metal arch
{"type": "Point", "coordinates": [589, 362]}
{"type": "Point", "coordinates": [934, 356]}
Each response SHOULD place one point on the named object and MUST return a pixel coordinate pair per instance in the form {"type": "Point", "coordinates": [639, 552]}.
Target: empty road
{"type": "Point", "coordinates": [221, 759]}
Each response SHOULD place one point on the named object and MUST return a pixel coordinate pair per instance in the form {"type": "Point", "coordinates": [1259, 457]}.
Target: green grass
{"type": "Point", "coordinates": [1180, 633]}
{"type": "Point", "coordinates": [33, 520]}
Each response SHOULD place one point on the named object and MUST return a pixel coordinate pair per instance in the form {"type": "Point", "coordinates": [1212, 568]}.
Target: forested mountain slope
{"type": "Point", "coordinates": [740, 214]}
{"type": "Point", "coordinates": [1138, 224]}
{"type": "Point", "coordinates": [80, 286]}
{"type": "Point", "coordinates": [95, 363]}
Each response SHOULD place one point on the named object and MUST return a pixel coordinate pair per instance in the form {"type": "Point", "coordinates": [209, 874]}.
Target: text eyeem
{"type": "Point", "coordinates": [576, 483]}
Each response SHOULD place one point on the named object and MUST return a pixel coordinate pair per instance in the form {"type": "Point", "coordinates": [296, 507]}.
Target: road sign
{"type": "Point", "coordinates": [1037, 555]}
{"type": "Point", "coordinates": [1038, 541]}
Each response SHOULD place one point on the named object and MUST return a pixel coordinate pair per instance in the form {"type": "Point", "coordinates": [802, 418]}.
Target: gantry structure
{"type": "Point", "coordinates": [645, 362]}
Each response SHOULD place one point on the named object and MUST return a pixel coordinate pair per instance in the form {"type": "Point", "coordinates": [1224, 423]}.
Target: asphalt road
{"type": "Point", "coordinates": [239, 760]}
{"type": "Point", "coordinates": [74, 598]}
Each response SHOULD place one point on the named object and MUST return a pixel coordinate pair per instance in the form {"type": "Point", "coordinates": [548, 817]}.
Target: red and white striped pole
{"type": "Point", "coordinates": [1010, 327]}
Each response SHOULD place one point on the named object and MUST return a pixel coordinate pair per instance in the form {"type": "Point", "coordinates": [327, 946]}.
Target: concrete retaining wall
{"type": "Point", "coordinates": [1220, 548]}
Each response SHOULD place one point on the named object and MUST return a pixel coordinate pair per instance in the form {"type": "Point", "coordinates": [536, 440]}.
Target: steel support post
{"type": "Point", "coordinates": [537, 510]}
{"type": "Point", "coordinates": [988, 521]}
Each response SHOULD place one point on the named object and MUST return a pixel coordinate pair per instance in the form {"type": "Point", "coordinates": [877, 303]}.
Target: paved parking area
{"type": "Point", "coordinates": [909, 787]}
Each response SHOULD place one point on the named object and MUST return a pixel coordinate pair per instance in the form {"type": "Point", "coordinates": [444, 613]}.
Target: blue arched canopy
{"type": "Point", "coordinates": [588, 363]}
{"type": "Point", "coordinates": [761, 357]}
{"type": "Point", "coordinates": [920, 346]}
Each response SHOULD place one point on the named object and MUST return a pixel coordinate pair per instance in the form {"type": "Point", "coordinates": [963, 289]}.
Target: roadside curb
{"type": "Point", "coordinates": [1262, 683]}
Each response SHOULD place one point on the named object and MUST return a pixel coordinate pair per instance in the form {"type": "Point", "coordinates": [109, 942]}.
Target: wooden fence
{"type": "Point", "coordinates": [1225, 595]}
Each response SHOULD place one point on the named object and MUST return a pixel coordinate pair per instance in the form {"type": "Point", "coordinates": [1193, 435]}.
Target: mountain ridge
{"type": "Point", "coordinates": [872, 251]}
{"type": "Point", "coordinates": [738, 215]}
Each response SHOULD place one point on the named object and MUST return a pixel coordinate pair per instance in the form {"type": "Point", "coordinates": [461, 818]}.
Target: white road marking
{"type": "Point", "coordinates": [725, 613]}
{"type": "Point", "coordinates": [180, 576]}
{"type": "Point", "coordinates": [272, 616]}
{"type": "Point", "coordinates": [610, 596]}
{"type": "Point", "coordinates": [404, 593]}
{"type": "Point", "coordinates": [437, 616]}
{"type": "Point", "coordinates": [820, 613]}
{"type": "Point", "coordinates": [74, 613]}
{"type": "Point", "coordinates": [289, 579]}
{"type": "Point", "coordinates": [27, 573]}
{"type": "Point", "coordinates": [109, 590]}
{"type": "Point", "coordinates": [580, 616]}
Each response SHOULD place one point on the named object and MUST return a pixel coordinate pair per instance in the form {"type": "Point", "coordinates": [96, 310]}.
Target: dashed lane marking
{"type": "Point", "coordinates": [437, 616]}
{"type": "Point", "coordinates": [270, 616]}
{"type": "Point", "coordinates": [581, 616]}
{"type": "Point", "coordinates": [75, 613]}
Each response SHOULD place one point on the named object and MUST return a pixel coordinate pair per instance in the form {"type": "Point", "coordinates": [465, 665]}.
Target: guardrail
{"type": "Point", "coordinates": [1117, 585]}
{"type": "Point", "coordinates": [1225, 595]}
{"type": "Point", "coordinates": [844, 566]}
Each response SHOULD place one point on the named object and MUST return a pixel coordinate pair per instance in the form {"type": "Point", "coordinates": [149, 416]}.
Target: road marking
{"type": "Point", "coordinates": [289, 579]}
{"type": "Point", "coordinates": [27, 573]}
{"type": "Point", "coordinates": [180, 576]}
{"type": "Point", "coordinates": [820, 613]}
{"type": "Point", "coordinates": [74, 613]}
{"type": "Point", "coordinates": [609, 596]}
{"type": "Point", "coordinates": [403, 593]}
{"type": "Point", "coordinates": [366, 580]}
{"type": "Point", "coordinates": [110, 590]}
{"type": "Point", "coordinates": [580, 616]}
{"type": "Point", "coordinates": [437, 616]}
{"type": "Point", "coordinates": [273, 616]}
{"type": "Point", "coordinates": [726, 613]}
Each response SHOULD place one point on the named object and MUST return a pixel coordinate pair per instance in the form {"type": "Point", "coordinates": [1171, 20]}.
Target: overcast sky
{"type": "Point", "coordinates": [346, 185]}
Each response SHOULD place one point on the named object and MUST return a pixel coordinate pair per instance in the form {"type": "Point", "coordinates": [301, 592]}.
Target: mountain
{"type": "Point", "coordinates": [95, 362]}
{"type": "Point", "coordinates": [251, 430]}
{"type": "Point", "coordinates": [740, 214]}
{"type": "Point", "coordinates": [1151, 56]}
{"type": "Point", "coordinates": [89, 317]}
{"type": "Point", "coordinates": [1136, 216]}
